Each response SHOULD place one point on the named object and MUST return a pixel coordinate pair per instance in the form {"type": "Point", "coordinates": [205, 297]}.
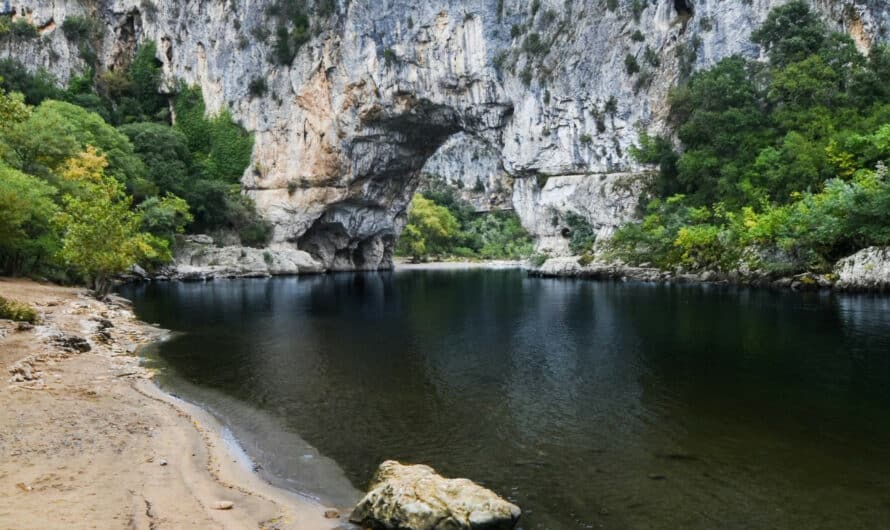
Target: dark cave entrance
{"type": "Point", "coordinates": [684, 8]}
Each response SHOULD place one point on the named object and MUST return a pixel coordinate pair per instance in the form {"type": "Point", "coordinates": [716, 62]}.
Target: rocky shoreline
{"type": "Point", "coordinates": [865, 271]}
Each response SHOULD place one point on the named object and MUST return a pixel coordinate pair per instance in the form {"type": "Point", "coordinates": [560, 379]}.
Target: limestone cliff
{"type": "Point", "coordinates": [528, 102]}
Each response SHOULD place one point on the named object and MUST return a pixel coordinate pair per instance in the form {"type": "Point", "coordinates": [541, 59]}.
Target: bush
{"type": "Point", "coordinates": [79, 28]}
{"type": "Point", "coordinates": [23, 29]}
{"type": "Point", "coordinates": [582, 235]}
{"type": "Point", "coordinates": [17, 311]}
{"type": "Point", "coordinates": [36, 87]}
{"type": "Point", "coordinates": [533, 45]}
{"type": "Point", "coordinates": [258, 87]}
{"type": "Point", "coordinates": [631, 65]}
{"type": "Point", "coordinates": [491, 235]}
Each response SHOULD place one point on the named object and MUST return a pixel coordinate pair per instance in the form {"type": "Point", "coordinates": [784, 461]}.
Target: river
{"type": "Point", "coordinates": [588, 404]}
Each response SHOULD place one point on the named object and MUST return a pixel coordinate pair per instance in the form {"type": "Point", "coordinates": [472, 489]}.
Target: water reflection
{"type": "Point", "coordinates": [590, 404]}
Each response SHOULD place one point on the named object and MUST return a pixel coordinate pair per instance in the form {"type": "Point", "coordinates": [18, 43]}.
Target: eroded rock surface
{"type": "Point", "coordinates": [414, 497]}
{"type": "Point", "coordinates": [197, 258]}
{"type": "Point", "coordinates": [868, 269]}
{"type": "Point", "coordinates": [541, 116]}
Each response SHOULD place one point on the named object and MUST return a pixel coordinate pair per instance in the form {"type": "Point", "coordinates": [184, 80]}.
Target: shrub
{"type": "Point", "coordinates": [258, 87]}
{"type": "Point", "coordinates": [23, 29]}
{"type": "Point", "coordinates": [533, 45]}
{"type": "Point", "coordinates": [539, 259]}
{"type": "Point", "coordinates": [582, 235]}
{"type": "Point", "coordinates": [17, 311]}
{"type": "Point", "coordinates": [389, 57]}
{"type": "Point", "coordinates": [79, 28]}
{"type": "Point", "coordinates": [526, 76]}
{"type": "Point", "coordinates": [631, 65]}
{"type": "Point", "coordinates": [651, 57]}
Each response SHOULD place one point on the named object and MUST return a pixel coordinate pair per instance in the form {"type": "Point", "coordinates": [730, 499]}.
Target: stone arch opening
{"type": "Point", "coordinates": [359, 231]}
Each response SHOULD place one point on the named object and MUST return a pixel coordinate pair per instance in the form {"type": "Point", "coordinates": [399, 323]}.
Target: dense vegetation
{"type": "Point", "coordinates": [441, 225]}
{"type": "Point", "coordinates": [781, 164]}
{"type": "Point", "coordinates": [94, 178]}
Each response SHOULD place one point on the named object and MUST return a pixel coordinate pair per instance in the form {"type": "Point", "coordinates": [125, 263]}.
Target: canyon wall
{"type": "Point", "coordinates": [522, 104]}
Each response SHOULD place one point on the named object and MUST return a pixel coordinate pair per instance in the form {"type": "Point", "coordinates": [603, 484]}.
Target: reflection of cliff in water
{"type": "Point", "coordinates": [622, 405]}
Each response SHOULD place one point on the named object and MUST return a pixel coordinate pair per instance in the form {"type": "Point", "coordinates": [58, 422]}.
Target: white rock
{"type": "Point", "coordinates": [414, 497]}
{"type": "Point", "coordinates": [867, 269]}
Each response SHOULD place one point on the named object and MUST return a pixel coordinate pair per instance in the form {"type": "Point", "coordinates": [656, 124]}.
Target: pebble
{"type": "Point", "coordinates": [162, 462]}
{"type": "Point", "coordinates": [331, 514]}
{"type": "Point", "coordinates": [222, 505]}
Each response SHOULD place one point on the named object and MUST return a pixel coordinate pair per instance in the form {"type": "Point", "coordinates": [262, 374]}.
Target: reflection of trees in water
{"type": "Point", "coordinates": [563, 395]}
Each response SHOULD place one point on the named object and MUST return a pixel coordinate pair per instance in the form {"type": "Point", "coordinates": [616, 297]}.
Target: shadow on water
{"type": "Point", "coordinates": [588, 404]}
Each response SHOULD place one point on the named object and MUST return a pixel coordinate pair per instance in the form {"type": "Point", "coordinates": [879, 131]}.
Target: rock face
{"type": "Point", "coordinates": [868, 269]}
{"type": "Point", "coordinates": [197, 258]}
{"type": "Point", "coordinates": [416, 498]}
{"type": "Point", "coordinates": [529, 98]}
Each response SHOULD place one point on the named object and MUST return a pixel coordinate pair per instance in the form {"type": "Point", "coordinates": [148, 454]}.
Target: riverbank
{"type": "Point", "coordinates": [865, 271]}
{"type": "Point", "coordinates": [88, 440]}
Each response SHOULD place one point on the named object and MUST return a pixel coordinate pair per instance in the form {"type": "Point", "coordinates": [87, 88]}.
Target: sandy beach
{"type": "Point", "coordinates": [89, 441]}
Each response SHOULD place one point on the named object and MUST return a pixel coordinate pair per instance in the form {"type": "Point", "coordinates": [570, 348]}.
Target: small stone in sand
{"type": "Point", "coordinates": [331, 514]}
{"type": "Point", "coordinates": [222, 505]}
{"type": "Point", "coordinates": [163, 462]}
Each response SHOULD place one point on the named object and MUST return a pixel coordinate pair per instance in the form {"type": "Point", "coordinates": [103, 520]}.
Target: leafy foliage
{"type": "Point", "coordinates": [430, 231]}
{"type": "Point", "coordinates": [26, 213]}
{"type": "Point", "coordinates": [781, 167]}
{"type": "Point", "coordinates": [62, 165]}
{"type": "Point", "coordinates": [491, 235]}
{"type": "Point", "coordinates": [101, 234]}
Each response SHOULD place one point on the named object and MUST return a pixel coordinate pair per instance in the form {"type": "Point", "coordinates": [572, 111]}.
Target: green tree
{"type": "Point", "coordinates": [790, 33]}
{"type": "Point", "coordinates": [27, 237]}
{"type": "Point", "coordinates": [430, 231]}
{"type": "Point", "coordinates": [164, 216]}
{"type": "Point", "coordinates": [164, 152]}
{"type": "Point", "coordinates": [56, 131]}
{"type": "Point", "coordinates": [36, 86]}
{"type": "Point", "coordinates": [101, 234]}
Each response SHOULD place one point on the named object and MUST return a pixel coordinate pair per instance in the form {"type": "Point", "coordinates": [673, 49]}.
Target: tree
{"type": "Point", "coordinates": [790, 33]}
{"type": "Point", "coordinates": [164, 216]}
{"type": "Point", "coordinates": [165, 153]}
{"type": "Point", "coordinates": [26, 213]}
{"type": "Point", "coordinates": [430, 230]}
{"type": "Point", "coordinates": [56, 131]}
{"type": "Point", "coordinates": [101, 234]}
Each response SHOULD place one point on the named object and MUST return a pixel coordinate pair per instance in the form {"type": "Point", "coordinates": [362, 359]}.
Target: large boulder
{"type": "Point", "coordinates": [868, 269]}
{"type": "Point", "coordinates": [415, 497]}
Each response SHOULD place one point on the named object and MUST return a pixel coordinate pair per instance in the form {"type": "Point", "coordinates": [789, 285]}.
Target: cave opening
{"type": "Point", "coordinates": [684, 8]}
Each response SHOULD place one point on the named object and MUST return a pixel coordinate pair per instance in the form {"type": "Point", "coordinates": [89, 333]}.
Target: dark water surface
{"type": "Point", "coordinates": [590, 405]}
